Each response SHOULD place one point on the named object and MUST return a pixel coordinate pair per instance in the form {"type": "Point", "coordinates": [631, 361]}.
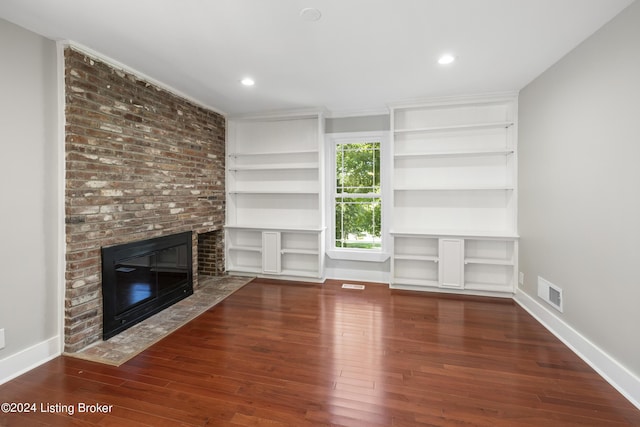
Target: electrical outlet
{"type": "Point", "coordinates": [1, 338]}
{"type": "Point", "coordinates": [521, 279]}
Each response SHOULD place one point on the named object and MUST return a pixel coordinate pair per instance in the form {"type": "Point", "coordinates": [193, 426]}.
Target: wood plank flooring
{"type": "Point", "coordinates": [288, 354]}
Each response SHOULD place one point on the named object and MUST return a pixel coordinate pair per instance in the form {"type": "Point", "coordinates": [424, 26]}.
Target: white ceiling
{"type": "Point", "coordinates": [360, 56]}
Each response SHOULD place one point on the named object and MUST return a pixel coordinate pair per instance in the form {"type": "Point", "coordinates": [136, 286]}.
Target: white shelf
{"type": "Point", "coordinates": [488, 287]}
{"type": "Point", "coordinates": [485, 234]}
{"type": "Point", "coordinates": [496, 188]}
{"type": "Point", "coordinates": [415, 282]}
{"type": "Point", "coordinates": [274, 167]}
{"type": "Point", "coordinates": [273, 153]}
{"type": "Point", "coordinates": [456, 127]}
{"type": "Point", "coordinates": [299, 251]}
{"type": "Point", "coordinates": [260, 227]}
{"type": "Point", "coordinates": [488, 261]}
{"type": "Point", "coordinates": [460, 153]}
{"type": "Point", "coordinates": [416, 257]}
{"type": "Point", "coordinates": [274, 192]}
{"type": "Point", "coordinates": [245, 248]}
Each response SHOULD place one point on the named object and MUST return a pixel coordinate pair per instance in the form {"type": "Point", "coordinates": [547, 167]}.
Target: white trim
{"type": "Point", "coordinates": [346, 137]}
{"type": "Point", "coordinates": [354, 255]}
{"type": "Point", "coordinates": [470, 234]}
{"type": "Point", "coordinates": [28, 359]}
{"type": "Point", "coordinates": [119, 65]}
{"type": "Point", "coordinates": [276, 115]}
{"type": "Point", "coordinates": [434, 288]}
{"type": "Point", "coordinates": [606, 366]}
{"type": "Point", "coordinates": [61, 188]}
{"type": "Point", "coordinates": [456, 100]}
{"type": "Point", "coordinates": [340, 114]}
{"type": "Point", "coordinates": [356, 275]}
{"type": "Point", "coordinates": [258, 227]}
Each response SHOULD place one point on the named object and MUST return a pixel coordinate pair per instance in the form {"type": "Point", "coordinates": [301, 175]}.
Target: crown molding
{"type": "Point", "coordinates": [300, 113]}
{"type": "Point", "coordinates": [457, 99]}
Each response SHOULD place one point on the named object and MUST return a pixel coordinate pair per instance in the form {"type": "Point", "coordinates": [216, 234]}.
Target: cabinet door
{"type": "Point", "coordinates": [271, 252]}
{"type": "Point", "coordinates": [451, 266]}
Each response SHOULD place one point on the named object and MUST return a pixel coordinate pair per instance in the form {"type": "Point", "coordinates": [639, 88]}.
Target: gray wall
{"type": "Point", "coordinates": [579, 186]}
{"type": "Point", "coordinates": [357, 124]}
{"type": "Point", "coordinates": [29, 304]}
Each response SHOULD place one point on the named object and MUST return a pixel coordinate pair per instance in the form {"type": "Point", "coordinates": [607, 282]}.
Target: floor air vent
{"type": "Point", "coordinates": [352, 286]}
{"type": "Point", "coordinates": [550, 293]}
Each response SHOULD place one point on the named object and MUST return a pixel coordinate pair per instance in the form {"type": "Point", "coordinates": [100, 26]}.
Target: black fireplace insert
{"type": "Point", "coordinates": [142, 278]}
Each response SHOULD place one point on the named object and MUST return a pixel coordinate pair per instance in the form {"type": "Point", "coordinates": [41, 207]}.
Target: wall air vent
{"type": "Point", "coordinates": [550, 293]}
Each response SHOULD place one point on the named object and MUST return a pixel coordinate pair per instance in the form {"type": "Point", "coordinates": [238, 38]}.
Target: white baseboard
{"type": "Point", "coordinates": [28, 359]}
{"type": "Point", "coordinates": [357, 275]}
{"type": "Point", "coordinates": [610, 369]}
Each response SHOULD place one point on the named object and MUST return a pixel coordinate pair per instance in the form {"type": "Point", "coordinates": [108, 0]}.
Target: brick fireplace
{"type": "Point", "coordinates": [140, 163]}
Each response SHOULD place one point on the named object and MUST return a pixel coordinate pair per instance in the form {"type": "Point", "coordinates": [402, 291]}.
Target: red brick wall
{"type": "Point", "coordinates": [140, 163]}
{"type": "Point", "coordinates": [211, 253]}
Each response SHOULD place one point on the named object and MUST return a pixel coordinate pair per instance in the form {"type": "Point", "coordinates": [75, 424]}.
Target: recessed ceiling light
{"type": "Point", "coordinates": [446, 59]}
{"type": "Point", "coordinates": [310, 14]}
{"type": "Point", "coordinates": [248, 81]}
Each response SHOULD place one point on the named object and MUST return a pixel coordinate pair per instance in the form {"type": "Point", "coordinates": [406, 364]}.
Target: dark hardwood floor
{"type": "Point", "coordinates": [280, 353]}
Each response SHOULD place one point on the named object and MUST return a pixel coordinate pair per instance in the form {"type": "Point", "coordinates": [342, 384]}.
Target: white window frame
{"type": "Point", "coordinates": [354, 254]}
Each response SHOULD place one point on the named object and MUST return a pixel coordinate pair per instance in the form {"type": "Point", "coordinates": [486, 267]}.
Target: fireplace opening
{"type": "Point", "coordinates": [142, 278]}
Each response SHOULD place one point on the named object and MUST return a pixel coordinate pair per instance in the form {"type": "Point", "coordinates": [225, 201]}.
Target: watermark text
{"type": "Point", "coordinates": [55, 408]}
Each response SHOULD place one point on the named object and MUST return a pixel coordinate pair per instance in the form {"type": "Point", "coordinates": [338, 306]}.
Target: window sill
{"type": "Point", "coordinates": [358, 255]}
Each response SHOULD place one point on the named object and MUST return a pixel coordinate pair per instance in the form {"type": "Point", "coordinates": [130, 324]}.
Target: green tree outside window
{"type": "Point", "coordinates": [358, 201]}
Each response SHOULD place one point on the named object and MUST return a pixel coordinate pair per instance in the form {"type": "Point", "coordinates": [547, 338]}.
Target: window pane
{"type": "Point", "coordinates": [358, 168]}
{"type": "Point", "coordinates": [358, 223]}
{"type": "Point", "coordinates": [358, 219]}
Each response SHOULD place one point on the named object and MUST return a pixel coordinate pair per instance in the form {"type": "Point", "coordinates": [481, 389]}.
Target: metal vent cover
{"type": "Point", "coordinates": [352, 286]}
{"type": "Point", "coordinates": [550, 293]}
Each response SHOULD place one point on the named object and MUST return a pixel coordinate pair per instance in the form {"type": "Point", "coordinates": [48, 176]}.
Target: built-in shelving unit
{"type": "Point", "coordinates": [275, 220]}
{"type": "Point", "coordinates": [455, 195]}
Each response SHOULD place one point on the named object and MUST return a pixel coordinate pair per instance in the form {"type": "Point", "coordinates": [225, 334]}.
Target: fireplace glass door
{"type": "Point", "coordinates": [141, 278]}
{"type": "Point", "coordinates": [135, 282]}
{"type": "Point", "coordinates": [146, 277]}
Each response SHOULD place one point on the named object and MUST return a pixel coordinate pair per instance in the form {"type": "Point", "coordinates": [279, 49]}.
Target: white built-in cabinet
{"type": "Point", "coordinates": [455, 195]}
{"type": "Point", "coordinates": [451, 269]}
{"type": "Point", "coordinates": [275, 210]}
